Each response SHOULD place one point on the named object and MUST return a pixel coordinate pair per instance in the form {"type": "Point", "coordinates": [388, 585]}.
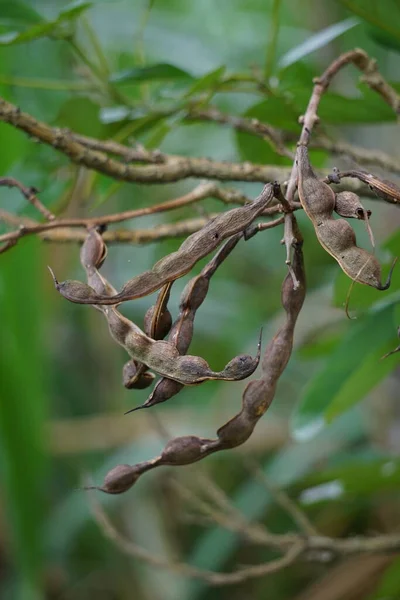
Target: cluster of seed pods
{"type": "Point", "coordinates": [148, 350]}
{"type": "Point", "coordinates": [257, 395]}
{"type": "Point", "coordinates": [161, 356]}
{"type": "Point", "coordinates": [181, 333]}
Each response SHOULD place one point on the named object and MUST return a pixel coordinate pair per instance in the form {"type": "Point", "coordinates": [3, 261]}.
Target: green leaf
{"type": "Point", "coordinates": [389, 586]}
{"type": "Point", "coordinates": [321, 342]}
{"type": "Point", "coordinates": [295, 77]}
{"type": "Point", "coordinates": [73, 10]}
{"type": "Point", "coordinates": [46, 28]}
{"type": "Point", "coordinates": [317, 41]}
{"type": "Point", "coordinates": [207, 82]}
{"type": "Point", "coordinates": [336, 109]}
{"type": "Point", "coordinates": [137, 120]}
{"type": "Point", "coordinates": [340, 110]}
{"type": "Point", "coordinates": [36, 32]}
{"type": "Point", "coordinates": [82, 116]}
{"type": "Point", "coordinates": [384, 39]}
{"type": "Point", "coordinates": [352, 370]}
{"type": "Point", "coordinates": [18, 13]}
{"type": "Point", "coordinates": [393, 243]}
{"type": "Point", "coordinates": [162, 127]}
{"type": "Point", "coordinates": [371, 372]}
{"type": "Point", "coordinates": [397, 315]}
{"type": "Point", "coordinates": [161, 71]}
{"type": "Point", "coordinates": [275, 111]}
{"type": "Point", "coordinates": [23, 370]}
{"type": "Point", "coordinates": [384, 14]}
{"type": "Point", "coordinates": [157, 135]}
{"type": "Point", "coordinates": [355, 477]}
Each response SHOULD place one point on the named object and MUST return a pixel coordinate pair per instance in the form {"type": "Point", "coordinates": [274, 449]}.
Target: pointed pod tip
{"type": "Point", "coordinates": [86, 488]}
{"type": "Point", "coordinates": [259, 342]}
{"type": "Point", "coordinates": [386, 286]}
{"type": "Point", "coordinates": [395, 351]}
{"type": "Point", "coordinates": [145, 405]}
{"type": "Point", "coordinates": [55, 280]}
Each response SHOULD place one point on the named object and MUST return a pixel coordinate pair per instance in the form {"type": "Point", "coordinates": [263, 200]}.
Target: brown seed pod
{"type": "Point", "coordinates": [177, 264]}
{"type": "Point", "coordinates": [120, 479]}
{"type": "Point", "coordinates": [94, 251]}
{"type": "Point", "coordinates": [181, 333]}
{"type": "Point", "coordinates": [157, 323]}
{"type": "Point", "coordinates": [93, 254]}
{"type": "Point", "coordinates": [349, 205]}
{"type": "Point", "coordinates": [163, 357]}
{"type": "Point", "coordinates": [257, 395]}
{"type": "Point", "coordinates": [236, 431]}
{"type": "Point", "coordinates": [182, 451]}
{"type": "Point", "coordinates": [130, 377]}
{"type": "Point", "coordinates": [159, 355]}
{"type": "Point", "coordinates": [387, 190]}
{"type": "Point", "coordinates": [158, 319]}
{"type": "Point", "coordinates": [336, 236]}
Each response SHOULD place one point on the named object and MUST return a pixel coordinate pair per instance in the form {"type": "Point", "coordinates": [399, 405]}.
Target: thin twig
{"type": "Point", "coordinates": [255, 127]}
{"type": "Point", "coordinates": [371, 77]}
{"type": "Point", "coordinates": [232, 521]}
{"type": "Point", "coordinates": [213, 578]}
{"type": "Point", "coordinates": [280, 497]}
{"type": "Point", "coordinates": [137, 154]}
{"type": "Point", "coordinates": [30, 194]}
{"type": "Point", "coordinates": [203, 190]}
{"type": "Point", "coordinates": [313, 548]}
{"type": "Point", "coordinates": [278, 139]}
{"type": "Point", "coordinates": [361, 156]}
{"type": "Point", "coordinates": [252, 126]}
{"type": "Point", "coordinates": [116, 236]}
{"type": "Point", "coordinates": [173, 168]}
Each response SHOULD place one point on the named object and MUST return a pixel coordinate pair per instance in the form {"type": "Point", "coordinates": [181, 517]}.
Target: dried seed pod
{"type": "Point", "coordinates": [163, 390]}
{"type": "Point", "coordinates": [120, 479]}
{"type": "Point", "coordinates": [94, 251]}
{"type": "Point", "coordinates": [181, 333]}
{"type": "Point", "coordinates": [130, 377]}
{"type": "Point", "coordinates": [387, 190]}
{"type": "Point", "coordinates": [236, 431]}
{"type": "Point", "coordinates": [177, 264]}
{"type": "Point", "coordinates": [316, 197]}
{"type": "Point", "coordinates": [336, 236]}
{"type": "Point", "coordinates": [163, 357]}
{"type": "Point", "coordinates": [93, 254]}
{"type": "Point", "coordinates": [157, 323]}
{"type": "Point", "coordinates": [163, 326]}
{"type": "Point", "coordinates": [257, 395]}
{"type": "Point", "coordinates": [158, 319]}
{"type": "Point", "coordinates": [75, 289]}
{"type": "Point", "coordinates": [182, 450]}
{"type": "Point", "coordinates": [160, 356]}
{"type": "Point", "coordinates": [349, 205]}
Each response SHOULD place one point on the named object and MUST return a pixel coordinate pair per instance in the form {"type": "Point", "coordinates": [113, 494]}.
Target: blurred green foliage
{"type": "Point", "coordinates": [124, 70]}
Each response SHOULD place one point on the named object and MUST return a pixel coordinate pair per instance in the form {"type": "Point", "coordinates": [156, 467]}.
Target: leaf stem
{"type": "Point", "coordinates": [273, 39]}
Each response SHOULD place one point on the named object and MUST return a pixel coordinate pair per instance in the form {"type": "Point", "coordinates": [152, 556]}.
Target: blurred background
{"type": "Point", "coordinates": [331, 439]}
